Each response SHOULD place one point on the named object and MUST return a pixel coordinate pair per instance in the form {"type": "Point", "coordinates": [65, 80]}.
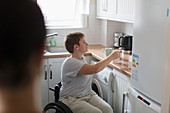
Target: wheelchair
{"type": "Point", "coordinates": [57, 106]}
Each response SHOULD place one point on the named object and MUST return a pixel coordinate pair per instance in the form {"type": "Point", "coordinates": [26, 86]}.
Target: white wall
{"type": "Point", "coordinates": [91, 33]}
{"type": "Point", "coordinates": [98, 31]}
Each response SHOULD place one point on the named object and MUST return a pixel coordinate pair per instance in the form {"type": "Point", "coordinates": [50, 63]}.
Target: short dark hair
{"type": "Point", "coordinates": [72, 39]}
{"type": "Point", "coordinates": [22, 33]}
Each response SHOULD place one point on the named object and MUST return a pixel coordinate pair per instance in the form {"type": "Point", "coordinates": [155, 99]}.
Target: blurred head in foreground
{"type": "Point", "coordinates": [22, 35]}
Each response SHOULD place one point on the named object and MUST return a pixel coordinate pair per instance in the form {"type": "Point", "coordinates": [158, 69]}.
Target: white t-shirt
{"type": "Point", "coordinates": [74, 85]}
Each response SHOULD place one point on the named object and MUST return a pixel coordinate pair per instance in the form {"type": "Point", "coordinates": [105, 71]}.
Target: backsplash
{"type": "Point", "coordinates": [113, 26]}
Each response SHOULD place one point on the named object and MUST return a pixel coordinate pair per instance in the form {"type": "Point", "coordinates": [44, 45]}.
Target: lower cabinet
{"type": "Point", "coordinates": [120, 86]}
{"type": "Point", "coordinates": [50, 75]}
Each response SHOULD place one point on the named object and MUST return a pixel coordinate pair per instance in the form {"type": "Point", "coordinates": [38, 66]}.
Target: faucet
{"type": "Point", "coordinates": [52, 34]}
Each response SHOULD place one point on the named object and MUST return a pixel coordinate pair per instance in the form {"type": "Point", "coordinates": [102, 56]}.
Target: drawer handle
{"type": "Point", "coordinates": [123, 104]}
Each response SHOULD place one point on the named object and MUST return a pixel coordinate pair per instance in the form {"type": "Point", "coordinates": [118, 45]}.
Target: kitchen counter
{"type": "Point", "coordinates": [97, 51]}
{"type": "Point", "coordinates": [59, 55]}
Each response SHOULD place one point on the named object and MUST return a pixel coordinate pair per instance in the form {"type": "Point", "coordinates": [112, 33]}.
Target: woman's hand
{"type": "Point", "coordinates": [115, 55]}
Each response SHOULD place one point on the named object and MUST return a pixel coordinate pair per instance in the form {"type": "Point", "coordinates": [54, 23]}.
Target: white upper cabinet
{"type": "Point", "coordinates": [125, 9]}
{"type": "Point", "coordinates": [117, 10]}
{"type": "Point", "coordinates": [105, 8]}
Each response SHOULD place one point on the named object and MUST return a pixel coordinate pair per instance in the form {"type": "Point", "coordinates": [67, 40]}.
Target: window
{"type": "Point", "coordinates": [64, 13]}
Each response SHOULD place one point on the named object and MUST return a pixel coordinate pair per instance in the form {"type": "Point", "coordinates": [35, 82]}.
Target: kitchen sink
{"type": "Point", "coordinates": [57, 49]}
{"type": "Point", "coordinates": [53, 50]}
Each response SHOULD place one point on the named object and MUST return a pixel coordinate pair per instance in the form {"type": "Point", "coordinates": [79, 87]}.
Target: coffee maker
{"type": "Point", "coordinates": [116, 39]}
{"type": "Point", "coordinates": [126, 42]}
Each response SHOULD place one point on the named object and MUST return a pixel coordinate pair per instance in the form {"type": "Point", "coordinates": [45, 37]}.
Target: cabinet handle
{"type": "Point", "coordinates": [105, 5]}
{"type": "Point", "coordinates": [123, 103]}
{"type": "Point", "coordinates": [45, 68]}
{"type": "Point", "coordinates": [45, 75]}
{"type": "Point", "coordinates": [51, 74]}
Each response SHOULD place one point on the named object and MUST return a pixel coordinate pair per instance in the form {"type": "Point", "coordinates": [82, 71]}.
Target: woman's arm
{"type": "Point", "coordinates": [88, 69]}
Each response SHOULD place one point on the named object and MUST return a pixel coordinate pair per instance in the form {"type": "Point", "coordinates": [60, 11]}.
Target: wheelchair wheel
{"type": "Point", "coordinates": [57, 107]}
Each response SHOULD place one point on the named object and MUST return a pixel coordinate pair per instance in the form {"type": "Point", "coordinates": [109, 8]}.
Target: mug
{"type": "Point", "coordinates": [108, 51]}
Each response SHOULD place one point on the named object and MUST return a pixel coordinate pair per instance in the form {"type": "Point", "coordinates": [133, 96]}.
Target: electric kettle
{"type": "Point", "coordinates": [125, 42]}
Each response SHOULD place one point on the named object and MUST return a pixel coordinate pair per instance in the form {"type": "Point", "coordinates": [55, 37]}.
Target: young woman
{"type": "Point", "coordinates": [76, 91]}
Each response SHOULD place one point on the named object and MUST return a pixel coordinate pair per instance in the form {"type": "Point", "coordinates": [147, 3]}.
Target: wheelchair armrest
{"type": "Point", "coordinates": [57, 91]}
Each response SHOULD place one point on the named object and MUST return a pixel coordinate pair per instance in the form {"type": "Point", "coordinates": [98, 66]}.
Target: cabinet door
{"type": "Point", "coordinates": [125, 9]}
{"type": "Point", "coordinates": [121, 83]}
{"type": "Point", "coordinates": [100, 8]}
{"type": "Point", "coordinates": [118, 10]}
{"type": "Point", "coordinates": [44, 83]}
{"type": "Point", "coordinates": [106, 8]}
{"type": "Point", "coordinates": [54, 74]}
